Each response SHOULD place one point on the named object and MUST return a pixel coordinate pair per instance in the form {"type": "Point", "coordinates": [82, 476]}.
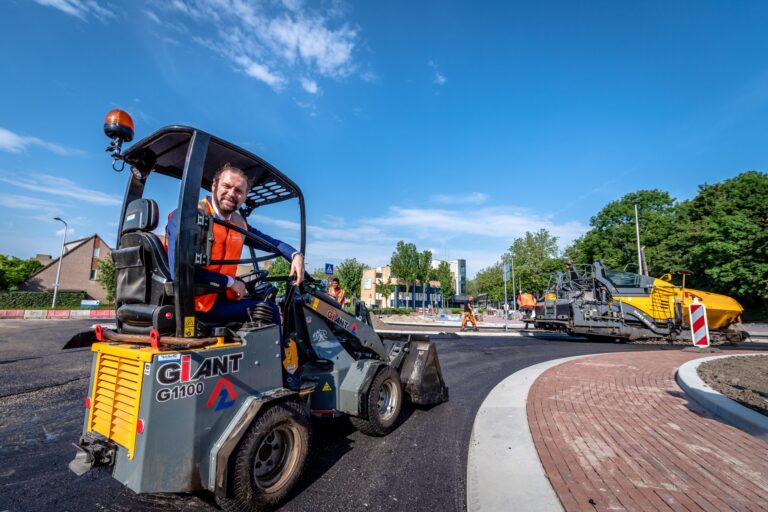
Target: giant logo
{"type": "Point", "coordinates": [223, 395]}
{"type": "Point", "coordinates": [175, 372]}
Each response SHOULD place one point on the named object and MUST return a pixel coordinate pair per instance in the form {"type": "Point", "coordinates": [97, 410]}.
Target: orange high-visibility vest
{"type": "Point", "coordinates": [527, 300]}
{"type": "Point", "coordinates": [227, 245]}
{"type": "Point", "coordinates": [337, 294]}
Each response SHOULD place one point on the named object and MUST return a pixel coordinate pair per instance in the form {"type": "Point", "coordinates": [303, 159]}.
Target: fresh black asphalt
{"type": "Point", "coordinates": [420, 466]}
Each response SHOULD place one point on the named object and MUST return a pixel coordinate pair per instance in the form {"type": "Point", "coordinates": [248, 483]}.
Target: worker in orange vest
{"type": "Point", "coordinates": [527, 303]}
{"type": "Point", "coordinates": [230, 186]}
{"type": "Point", "coordinates": [469, 314]}
{"type": "Point", "coordinates": [336, 292]}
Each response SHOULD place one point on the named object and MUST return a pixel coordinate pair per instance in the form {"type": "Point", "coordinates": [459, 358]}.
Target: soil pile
{"type": "Point", "coordinates": [743, 379]}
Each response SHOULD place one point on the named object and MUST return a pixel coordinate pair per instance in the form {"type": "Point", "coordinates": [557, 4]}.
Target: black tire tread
{"type": "Point", "coordinates": [243, 499]}
{"type": "Point", "coordinates": [370, 425]}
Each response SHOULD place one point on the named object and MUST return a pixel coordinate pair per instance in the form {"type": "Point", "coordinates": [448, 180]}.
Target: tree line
{"type": "Point", "coordinates": [721, 235]}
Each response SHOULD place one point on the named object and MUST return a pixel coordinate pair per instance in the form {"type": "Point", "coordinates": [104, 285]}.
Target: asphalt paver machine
{"type": "Point", "coordinates": [176, 404]}
{"type": "Point", "coordinates": [604, 304]}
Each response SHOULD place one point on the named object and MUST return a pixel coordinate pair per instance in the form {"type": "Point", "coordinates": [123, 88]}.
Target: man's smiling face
{"type": "Point", "coordinates": [229, 192]}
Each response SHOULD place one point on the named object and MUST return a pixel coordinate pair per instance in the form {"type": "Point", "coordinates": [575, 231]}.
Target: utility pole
{"type": "Point", "coordinates": [637, 233]}
{"type": "Point", "coordinates": [506, 304]}
{"type": "Point", "coordinates": [61, 257]}
{"type": "Point", "coordinates": [514, 304]}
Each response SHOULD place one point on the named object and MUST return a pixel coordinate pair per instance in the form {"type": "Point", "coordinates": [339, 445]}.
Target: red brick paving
{"type": "Point", "coordinates": [616, 432]}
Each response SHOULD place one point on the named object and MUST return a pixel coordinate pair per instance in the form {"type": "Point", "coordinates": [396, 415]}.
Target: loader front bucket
{"type": "Point", "coordinates": [421, 376]}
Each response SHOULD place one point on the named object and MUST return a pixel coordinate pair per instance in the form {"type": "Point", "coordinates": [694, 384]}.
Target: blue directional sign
{"type": "Point", "coordinates": [329, 269]}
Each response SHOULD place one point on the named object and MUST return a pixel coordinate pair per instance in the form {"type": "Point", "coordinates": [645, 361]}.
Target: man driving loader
{"type": "Point", "coordinates": [230, 186]}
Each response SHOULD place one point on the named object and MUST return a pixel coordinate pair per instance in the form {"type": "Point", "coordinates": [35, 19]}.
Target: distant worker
{"type": "Point", "coordinates": [469, 314]}
{"type": "Point", "coordinates": [527, 304]}
{"type": "Point", "coordinates": [336, 292]}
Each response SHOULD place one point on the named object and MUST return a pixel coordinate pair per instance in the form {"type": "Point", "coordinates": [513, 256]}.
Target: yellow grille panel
{"type": "Point", "coordinates": [662, 303]}
{"type": "Point", "coordinates": [115, 399]}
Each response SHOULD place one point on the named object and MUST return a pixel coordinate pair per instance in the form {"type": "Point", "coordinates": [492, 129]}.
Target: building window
{"type": "Point", "coordinates": [96, 252]}
{"type": "Point", "coordinates": [93, 274]}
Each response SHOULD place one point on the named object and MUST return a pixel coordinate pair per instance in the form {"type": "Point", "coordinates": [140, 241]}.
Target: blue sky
{"type": "Point", "coordinates": [455, 125]}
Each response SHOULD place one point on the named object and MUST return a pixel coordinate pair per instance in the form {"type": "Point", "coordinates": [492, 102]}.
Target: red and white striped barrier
{"type": "Point", "coordinates": [55, 314]}
{"type": "Point", "coordinates": [699, 326]}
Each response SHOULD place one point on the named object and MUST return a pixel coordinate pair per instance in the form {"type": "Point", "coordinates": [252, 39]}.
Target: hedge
{"type": "Point", "coordinates": [40, 300]}
{"type": "Point", "coordinates": [392, 311]}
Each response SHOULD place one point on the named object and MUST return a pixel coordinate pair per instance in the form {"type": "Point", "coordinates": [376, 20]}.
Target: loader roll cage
{"type": "Point", "coordinates": [193, 157]}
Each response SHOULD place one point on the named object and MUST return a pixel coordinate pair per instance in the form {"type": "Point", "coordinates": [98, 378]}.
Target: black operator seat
{"type": "Point", "coordinates": [144, 293]}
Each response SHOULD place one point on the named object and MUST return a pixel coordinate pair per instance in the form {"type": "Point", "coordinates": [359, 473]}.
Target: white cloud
{"type": "Point", "coordinates": [439, 78]}
{"type": "Point", "coordinates": [22, 202]}
{"type": "Point", "coordinates": [70, 232]}
{"type": "Point", "coordinates": [152, 16]}
{"type": "Point", "coordinates": [293, 5]}
{"type": "Point", "coordinates": [479, 235]}
{"type": "Point", "coordinates": [493, 222]}
{"type": "Point", "coordinates": [369, 76]}
{"type": "Point", "coordinates": [62, 187]}
{"type": "Point", "coordinates": [309, 85]}
{"type": "Point", "coordinates": [470, 198]}
{"type": "Point", "coordinates": [80, 8]}
{"type": "Point", "coordinates": [276, 43]}
{"type": "Point", "coordinates": [14, 143]}
{"type": "Point", "coordinates": [260, 72]}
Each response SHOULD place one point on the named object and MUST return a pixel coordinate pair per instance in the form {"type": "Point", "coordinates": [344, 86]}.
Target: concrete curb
{"type": "Point", "coordinates": [453, 334]}
{"type": "Point", "coordinates": [504, 471]}
{"type": "Point", "coordinates": [728, 410]}
{"type": "Point", "coordinates": [480, 325]}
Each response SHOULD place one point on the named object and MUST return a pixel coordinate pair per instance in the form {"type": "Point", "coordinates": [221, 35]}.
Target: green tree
{"type": "Point", "coordinates": [443, 274]}
{"type": "Point", "coordinates": [280, 267]}
{"type": "Point", "coordinates": [489, 280]}
{"type": "Point", "coordinates": [14, 271]}
{"type": "Point", "coordinates": [535, 258]}
{"type": "Point", "coordinates": [106, 277]}
{"type": "Point", "coordinates": [612, 237]}
{"type": "Point", "coordinates": [723, 238]}
{"type": "Point", "coordinates": [350, 273]}
{"type": "Point", "coordinates": [405, 263]}
{"type": "Point", "coordinates": [424, 271]}
{"type": "Point", "coordinates": [385, 289]}
{"type": "Point", "coordinates": [319, 274]}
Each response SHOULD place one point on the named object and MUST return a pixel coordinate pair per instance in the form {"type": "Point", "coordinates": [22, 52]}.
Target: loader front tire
{"type": "Point", "coordinates": [383, 404]}
{"type": "Point", "coordinates": [269, 459]}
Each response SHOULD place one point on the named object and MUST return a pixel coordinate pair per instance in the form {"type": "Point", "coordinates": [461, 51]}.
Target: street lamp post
{"type": "Point", "coordinates": [637, 236]}
{"type": "Point", "coordinates": [61, 257]}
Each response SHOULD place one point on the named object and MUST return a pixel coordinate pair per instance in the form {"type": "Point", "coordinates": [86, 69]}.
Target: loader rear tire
{"type": "Point", "coordinates": [383, 404]}
{"type": "Point", "coordinates": [270, 459]}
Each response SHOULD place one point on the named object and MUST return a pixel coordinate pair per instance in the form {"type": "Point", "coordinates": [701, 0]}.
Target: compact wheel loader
{"type": "Point", "coordinates": [176, 404]}
{"type": "Point", "coordinates": [603, 304]}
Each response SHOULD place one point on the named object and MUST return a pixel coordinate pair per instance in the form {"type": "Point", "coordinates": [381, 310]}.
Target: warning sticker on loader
{"type": "Point", "coordinates": [327, 387]}
{"type": "Point", "coordinates": [291, 359]}
{"type": "Point", "coordinates": [189, 326]}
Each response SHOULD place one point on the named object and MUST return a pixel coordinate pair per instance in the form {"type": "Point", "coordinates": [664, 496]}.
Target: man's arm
{"type": "Point", "coordinates": [286, 250]}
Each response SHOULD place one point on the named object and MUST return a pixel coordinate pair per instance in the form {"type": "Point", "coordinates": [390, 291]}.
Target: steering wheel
{"type": "Point", "coordinates": [253, 278]}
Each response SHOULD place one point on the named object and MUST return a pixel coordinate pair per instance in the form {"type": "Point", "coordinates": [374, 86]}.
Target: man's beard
{"type": "Point", "coordinates": [222, 209]}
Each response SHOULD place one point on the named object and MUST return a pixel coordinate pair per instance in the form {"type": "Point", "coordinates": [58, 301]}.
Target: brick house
{"type": "Point", "coordinates": [79, 269]}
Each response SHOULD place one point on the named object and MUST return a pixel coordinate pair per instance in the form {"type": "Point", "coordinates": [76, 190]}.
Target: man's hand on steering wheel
{"type": "Point", "coordinates": [238, 289]}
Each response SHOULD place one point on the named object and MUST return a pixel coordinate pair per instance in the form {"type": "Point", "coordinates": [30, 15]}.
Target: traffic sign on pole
{"type": "Point", "coordinates": [329, 269]}
{"type": "Point", "coordinates": [699, 325]}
